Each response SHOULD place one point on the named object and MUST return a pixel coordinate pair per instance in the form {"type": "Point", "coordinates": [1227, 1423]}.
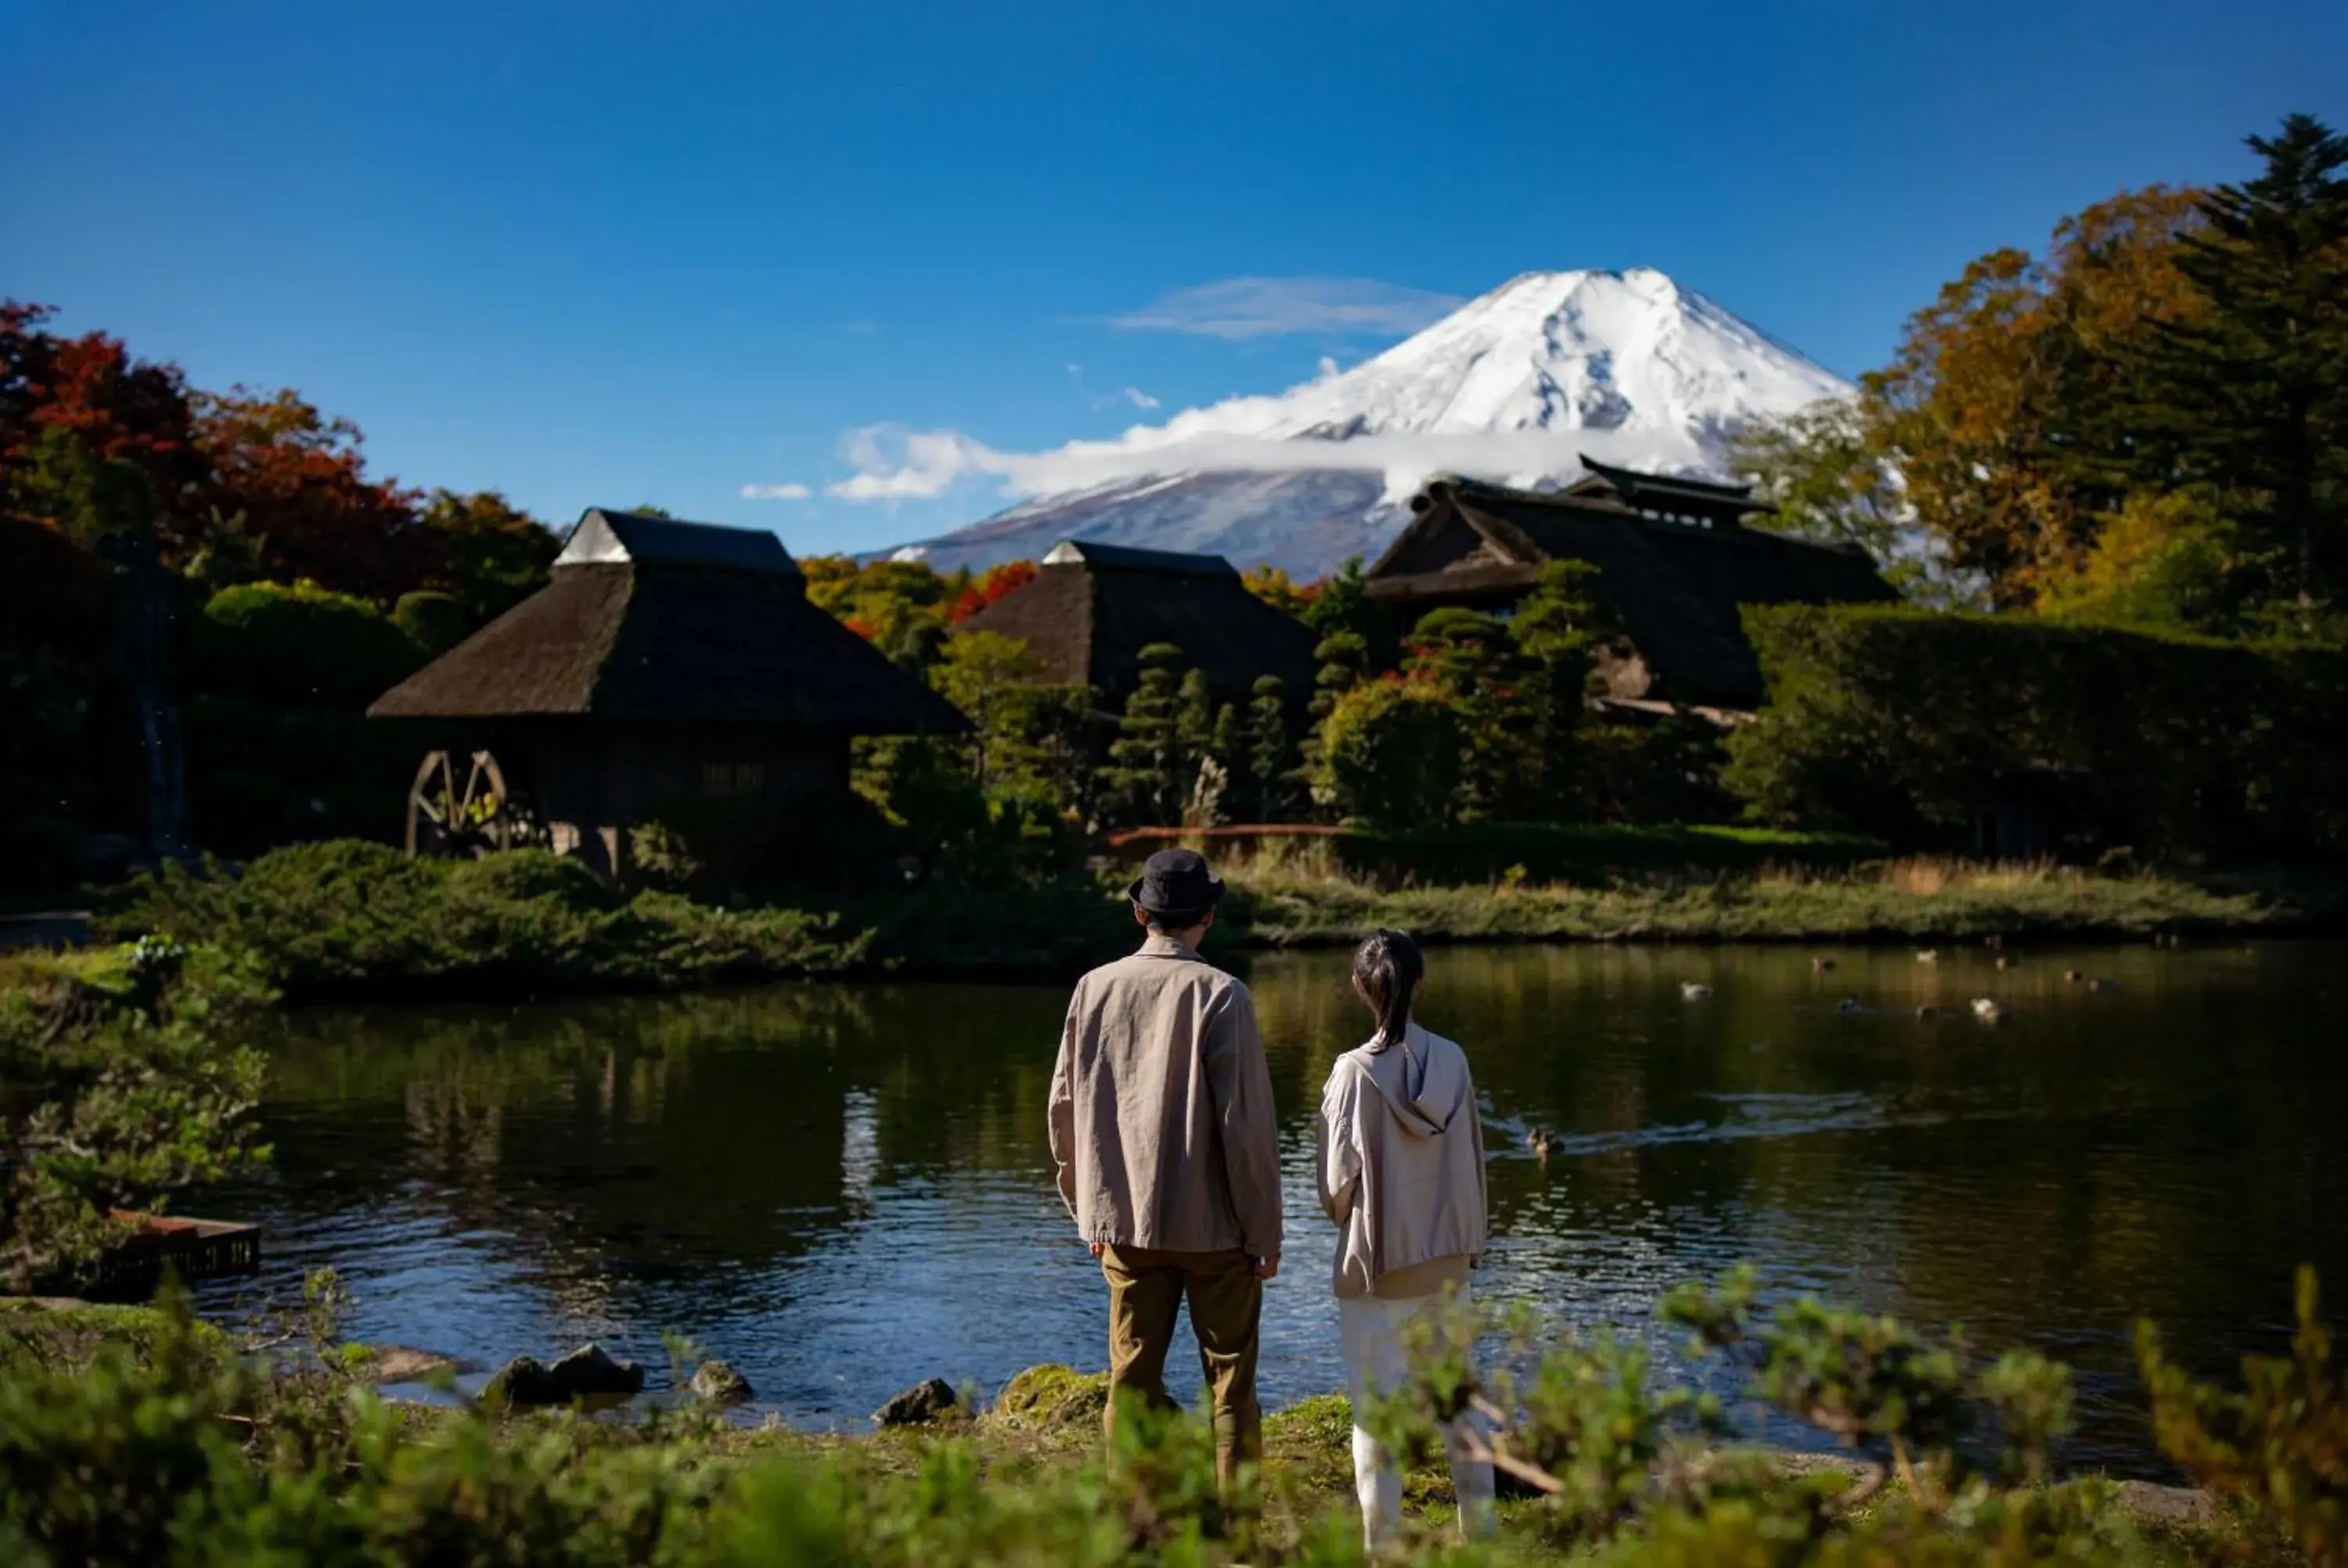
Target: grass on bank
{"type": "Point", "coordinates": [1285, 899]}
{"type": "Point", "coordinates": [348, 920]}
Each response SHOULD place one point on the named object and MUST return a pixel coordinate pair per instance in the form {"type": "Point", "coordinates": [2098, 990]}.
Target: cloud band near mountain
{"type": "Point", "coordinates": [894, 464]}
{"type": "Point", "coordinates": [1240, 308]}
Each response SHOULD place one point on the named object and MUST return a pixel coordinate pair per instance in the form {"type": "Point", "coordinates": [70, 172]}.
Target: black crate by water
{"type": "Point", "coordinates": [192, 1248]}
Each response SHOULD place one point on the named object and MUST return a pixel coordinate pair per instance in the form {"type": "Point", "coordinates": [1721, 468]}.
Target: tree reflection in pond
{"type": "Point", "coordinates": [844, 1189]}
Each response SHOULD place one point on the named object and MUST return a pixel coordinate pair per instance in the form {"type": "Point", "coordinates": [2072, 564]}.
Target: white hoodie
{"type": "Point", "coordinates": [1402, 1159]}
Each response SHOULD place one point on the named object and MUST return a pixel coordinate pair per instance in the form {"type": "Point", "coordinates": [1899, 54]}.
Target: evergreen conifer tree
{"type": "Point", "coordinates": [2249, 396]}
{"type": "Point", "coordinates": [1342, 604]}
{"type": "Point", "coordinates": [1558, 630]}
{"type": "Point", "coordinates": [1270, 766]}
{"type": "Point", "coordinates": [1344, 658]}
{"type": "Point", "coordinates": [1145, 781]}
{"type": "Point", "coordinates": [1470, 659]}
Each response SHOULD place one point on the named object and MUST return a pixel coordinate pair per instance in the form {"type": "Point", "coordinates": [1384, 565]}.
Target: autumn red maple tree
{"type": "Point", "coordinates": [998, 583]}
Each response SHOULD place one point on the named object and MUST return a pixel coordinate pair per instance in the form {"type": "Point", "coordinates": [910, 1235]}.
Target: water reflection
{"type": "Point", "coordinates": [844, 1189]}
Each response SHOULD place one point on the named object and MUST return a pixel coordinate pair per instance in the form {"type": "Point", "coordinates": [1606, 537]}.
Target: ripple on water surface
{"type": "Point", "coordinates": [842, 1190]}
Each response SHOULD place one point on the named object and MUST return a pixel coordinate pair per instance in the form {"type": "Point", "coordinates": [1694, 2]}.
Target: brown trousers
{"type": "Point", "coordinates": [1145, 1289]}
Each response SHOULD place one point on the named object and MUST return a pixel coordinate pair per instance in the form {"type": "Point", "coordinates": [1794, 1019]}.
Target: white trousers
{"type": "Point", "coordinates": [1376, 1365]}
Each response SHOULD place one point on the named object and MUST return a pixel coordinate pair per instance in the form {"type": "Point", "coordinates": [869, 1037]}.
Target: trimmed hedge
{"type": "Point", "coordinates": [1909, 724]}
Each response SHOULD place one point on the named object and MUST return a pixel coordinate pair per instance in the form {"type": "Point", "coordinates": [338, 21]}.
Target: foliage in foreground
{"type": "Point", "coordinates": [347, 918]}
{"type": "Point", "coordinates": [2282, 1442]}
{"type": "Point", "coordinates": [1956, 1445]}
{"type": "Point", "coordinates": [179, 1455]}
{"type": "Point", "coordinates": [117, 1087]}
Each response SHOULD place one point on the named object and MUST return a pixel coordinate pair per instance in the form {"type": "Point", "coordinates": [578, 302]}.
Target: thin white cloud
{"type": "Point", "coordinates": [1130, 395]}
{"type": "Point", "coordinates": [776, 492]}
{"type": "Point", "coordinates": [1240, 308]}
{"type": "Point", "coordinates": [860, 328]}
{"type": "Point", "coordinates": [894, 464]}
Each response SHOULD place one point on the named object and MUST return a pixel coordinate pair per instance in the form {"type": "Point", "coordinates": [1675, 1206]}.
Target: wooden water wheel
{"type": "Point", "coordinates": [443, 819]}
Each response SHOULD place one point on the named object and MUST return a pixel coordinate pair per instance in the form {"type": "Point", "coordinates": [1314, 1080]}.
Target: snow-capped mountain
{"type": "Point", "coordinates": [1627, 366]}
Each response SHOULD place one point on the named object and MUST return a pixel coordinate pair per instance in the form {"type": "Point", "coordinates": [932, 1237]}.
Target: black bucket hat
{"type": "Point", "coordinates": [1176, 882]}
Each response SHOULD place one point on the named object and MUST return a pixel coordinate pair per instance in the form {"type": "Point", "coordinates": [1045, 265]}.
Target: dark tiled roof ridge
{"type": "Point", "coordinates": [1098, 553]}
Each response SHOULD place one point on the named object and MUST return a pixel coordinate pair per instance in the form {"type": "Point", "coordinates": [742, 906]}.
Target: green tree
{"type": "Point", "coordinates": [494, 555]}
{"type": "Point", "coordinates": [1344, 660]}
{"type": "Point", "coordinates": [898, 606]}
{"type": "Point", "coordinates": [1271, 764]}
{"type": "Point", "coordinates": [2170, 562]}
{"type": "Point", "coordinates": [434, 622]}
{"type": "Point", "coordinates": [1559, 628]}
{"type": "Point", "coordinates": [2249, 395]}
{"type": "Point", "coordinates": [1146, 782]}
{"type": "Point", "coordinates": [984, 674]}
{"type": "Point", "coordinates": [302, 647]}
{"type": "Point", "coordinates": [2003, 400]}
{"type": "Point", "coordinates": [1342, 604]}
{"type": "Point", "coordinates": [89, 497]}
{"type": "Point", "coordinates": [1831, 480]}
{"type": "Point", "coordinates": [1390, 755]}
{"type": "Point", "coordinates": [1203, 762]}
{"type": "Point", "coordinates": [1472, 661]}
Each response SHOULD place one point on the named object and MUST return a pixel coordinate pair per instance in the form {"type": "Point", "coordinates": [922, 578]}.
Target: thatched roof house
{"type": "Point", "coordinates": [1677, 562]}
{"type": "Point", "coordinates": [1093, 608]}
{"type": "Point", "coordinates": [666, 660]}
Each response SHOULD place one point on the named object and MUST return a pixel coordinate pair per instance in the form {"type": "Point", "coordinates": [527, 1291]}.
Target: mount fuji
{"type": "Point", "coordinates": [1626, 366]}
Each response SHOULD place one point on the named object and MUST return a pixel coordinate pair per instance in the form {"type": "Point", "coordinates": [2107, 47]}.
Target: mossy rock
{"type": "Point", "coordinates": [1053, 1396]}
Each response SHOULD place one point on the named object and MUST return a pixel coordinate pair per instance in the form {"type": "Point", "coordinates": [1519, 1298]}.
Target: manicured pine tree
{"type": "Point", "coordinates": [1270, 766]}
{"type": "Point", "coordinates": [1341, 603]}
{"type": "Point", "coordinates": [1225, 747]}
{"type": "Point", "coordinates": [1558, 630]}
{"type": "Point", "coordinates": [1469, 658]}
{"type": "Point", "coordinates": [1345, 658]}
{"type": "Point", "coordinates": [1145, 781]}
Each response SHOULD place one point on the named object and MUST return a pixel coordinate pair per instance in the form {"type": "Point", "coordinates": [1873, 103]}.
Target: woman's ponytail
{"type": "Point", "coordinates": [1387, 967]}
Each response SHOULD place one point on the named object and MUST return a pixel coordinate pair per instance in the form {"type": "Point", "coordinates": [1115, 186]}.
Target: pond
{"type": "Point", "coordinates": [842, 1190]}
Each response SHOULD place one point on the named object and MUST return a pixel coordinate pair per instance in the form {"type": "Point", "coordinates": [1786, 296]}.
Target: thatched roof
{"type": "Point", "coordinates": [1677, 586]}
{"type": "Point", "coordinates": [647, 618]}
{"type": "Point", "coordinates": [1092, 609]}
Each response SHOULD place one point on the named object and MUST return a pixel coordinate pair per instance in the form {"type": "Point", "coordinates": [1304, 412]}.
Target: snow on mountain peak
{"type": "Point", "coordinates": [1626, 366]}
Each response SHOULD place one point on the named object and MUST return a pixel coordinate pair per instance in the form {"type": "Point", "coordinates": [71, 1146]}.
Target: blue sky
{"type": "Point", "coordinates": [606, 253]}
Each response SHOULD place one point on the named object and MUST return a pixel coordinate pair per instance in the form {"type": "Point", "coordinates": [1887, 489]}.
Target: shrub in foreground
{"type": "Point", "coordinates": [181, 1457]}
{"type": "Point", "coordinates": [120, 1083]}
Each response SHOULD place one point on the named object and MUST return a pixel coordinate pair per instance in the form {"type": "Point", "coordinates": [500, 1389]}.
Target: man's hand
{"type": "Point", "coordinates": [1267, 1267]}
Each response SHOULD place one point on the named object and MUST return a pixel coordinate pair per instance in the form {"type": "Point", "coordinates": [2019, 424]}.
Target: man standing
{"type": "Point", "coordinates": [1169, 1162]}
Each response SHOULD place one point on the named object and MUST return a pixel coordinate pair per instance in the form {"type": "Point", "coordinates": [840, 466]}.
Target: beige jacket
{"type": "Point", "coordinates": [1401, 1164]}
{"type": "Point", "coordinates": [1161, 1109]}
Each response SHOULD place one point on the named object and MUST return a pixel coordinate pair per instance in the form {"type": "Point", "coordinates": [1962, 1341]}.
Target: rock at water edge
{"type": "Point", "coordinates": [919, 1405]}
{"type": "Point", "coordinates": [720, 1383]}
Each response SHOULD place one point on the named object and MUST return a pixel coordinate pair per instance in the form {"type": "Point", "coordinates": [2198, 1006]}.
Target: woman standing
{"type": "Point", "coordinates": [1402, 1173]}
